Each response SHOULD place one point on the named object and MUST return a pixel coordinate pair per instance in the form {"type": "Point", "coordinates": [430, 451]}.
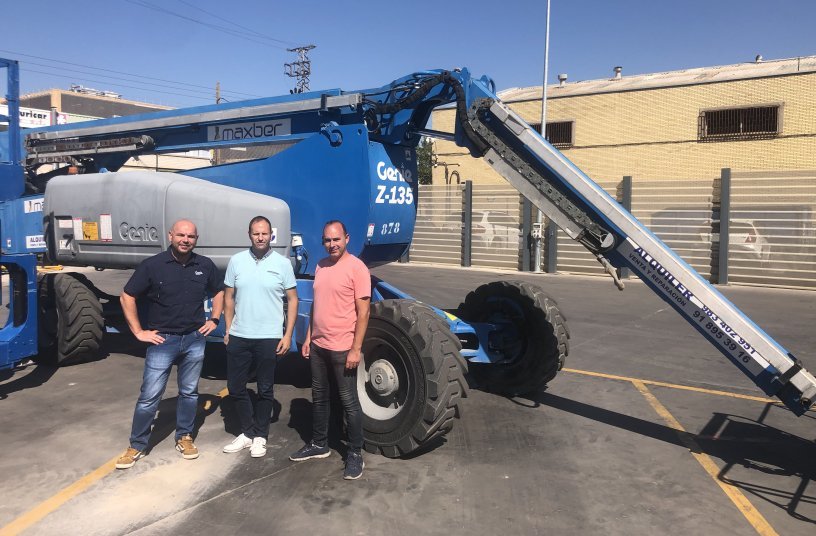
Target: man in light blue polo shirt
{"type": "Point", "coordinates": [256, 281]}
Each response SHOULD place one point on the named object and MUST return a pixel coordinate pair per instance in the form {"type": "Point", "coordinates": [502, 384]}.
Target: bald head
{"type": "Point", "coordinates": [187, 225]}
{"type": "Point", "coordinates": [183, 236]}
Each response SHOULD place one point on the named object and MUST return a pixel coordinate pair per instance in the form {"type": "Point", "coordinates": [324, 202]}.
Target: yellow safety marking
{"type": "Point", "coordinates": [753, 516]}
{"type": "Point", "coordinates": [54, 268]}
{"type": "Point", "coordinates": [66, 494]}
{"type": "Point", "coordinates": [49, 505]}
{"type": "Point", "coordinates": [674, 386]}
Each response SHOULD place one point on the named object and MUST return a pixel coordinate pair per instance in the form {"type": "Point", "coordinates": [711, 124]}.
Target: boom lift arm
{"type": "Point", "coordinates": [489, 129]}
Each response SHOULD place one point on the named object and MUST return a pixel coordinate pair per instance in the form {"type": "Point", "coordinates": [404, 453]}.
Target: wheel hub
{"type": "Point", "coordinates": [383, 378]}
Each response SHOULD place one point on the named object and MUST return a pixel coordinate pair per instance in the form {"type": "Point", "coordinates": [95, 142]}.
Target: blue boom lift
{"type": "Point", "coordinates": [350, 156]}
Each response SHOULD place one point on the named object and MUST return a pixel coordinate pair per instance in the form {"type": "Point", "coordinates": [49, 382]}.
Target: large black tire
{"type": "Point", "coordinates": [533, 336]}
{"type": "Point", "coordinates": [413, 379]}
{"type": "Point", "coordinates": [70, 319]}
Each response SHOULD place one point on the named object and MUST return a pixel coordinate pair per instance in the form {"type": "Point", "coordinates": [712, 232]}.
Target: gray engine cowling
{"type": "Point", "coordinates": [116, 220]}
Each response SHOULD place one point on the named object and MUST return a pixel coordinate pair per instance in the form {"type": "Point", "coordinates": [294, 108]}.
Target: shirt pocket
{"type": "Point", "coordinates": [181, 290]}
{"type": "Point", "coordinates": [195, 290]}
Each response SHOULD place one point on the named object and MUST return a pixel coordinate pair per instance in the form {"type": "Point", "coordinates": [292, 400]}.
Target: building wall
{"type": "Point", "coordinates": [77, 107]}
{"type": "Point", "coordinates": [652, 133]}
{"type": "Point", "coordinates": [88, 105]}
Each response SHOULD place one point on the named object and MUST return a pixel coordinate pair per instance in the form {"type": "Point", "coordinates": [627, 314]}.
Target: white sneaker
{"type": "Point", "coordinates": [258, 449]}
{"type": "Point", "coordinates": [238, 444]}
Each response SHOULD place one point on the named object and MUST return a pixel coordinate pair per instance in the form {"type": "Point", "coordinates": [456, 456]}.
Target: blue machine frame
{"type": "Point", "coordinates": [21, 233]}
{"type": "Point", "coordinates": [362, 144]}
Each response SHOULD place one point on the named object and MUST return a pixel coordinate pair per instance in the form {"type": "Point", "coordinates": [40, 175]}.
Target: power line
{"type": "Point", "coordinates": [229, 31]}
{"type": "Point", "coordinates": [117, 85]}
{"type": "Point", "coordinates": [120, 72]}
{"type": "Point", "coordinates": [221, 17]}
{"type": "Point", "coordinates": [188, 88]}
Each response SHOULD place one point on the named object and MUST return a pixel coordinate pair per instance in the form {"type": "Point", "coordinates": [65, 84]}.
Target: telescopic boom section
{"type": "Point", "coordinates": [489, 129]}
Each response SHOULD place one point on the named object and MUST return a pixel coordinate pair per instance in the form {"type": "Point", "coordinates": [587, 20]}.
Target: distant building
{"type": "Point", "coordinates": [89, 103]}
{"type": "Point", "coordinates": [688, 124]}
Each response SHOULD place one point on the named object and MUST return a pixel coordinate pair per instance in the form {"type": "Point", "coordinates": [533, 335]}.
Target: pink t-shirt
{"type": "Point", "coordinates": [336, 286]}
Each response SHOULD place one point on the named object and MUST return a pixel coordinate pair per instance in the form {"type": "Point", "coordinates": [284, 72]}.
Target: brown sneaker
{"type": "Point", "coordinates": [129, 458]}
{"type": "Point", "coordinates": [187, 448]}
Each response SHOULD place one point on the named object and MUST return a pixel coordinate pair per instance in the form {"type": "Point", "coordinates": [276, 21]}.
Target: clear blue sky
{"type": "Point", "coordinates": [367, 44]}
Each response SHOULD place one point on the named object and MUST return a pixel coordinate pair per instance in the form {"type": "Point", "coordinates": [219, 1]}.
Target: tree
{"type": "Point", "coordinates": [424, 154]}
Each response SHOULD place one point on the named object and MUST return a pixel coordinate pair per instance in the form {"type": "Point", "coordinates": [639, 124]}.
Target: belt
{"type": "Point", "coordinates": [177, 332]}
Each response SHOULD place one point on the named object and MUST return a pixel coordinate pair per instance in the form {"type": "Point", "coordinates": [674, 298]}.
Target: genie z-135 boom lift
{"type": "Point", "coordinates": [336, 155]}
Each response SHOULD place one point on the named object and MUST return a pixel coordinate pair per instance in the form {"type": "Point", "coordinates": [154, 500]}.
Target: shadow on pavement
{"type": "Point", "coordinates": [739, 442]}
{"type": "Point", "coordinates": [754, 445]}
{"type": "Point", "coordinates": [20, 380]}
{"type": "Point", "coordinates": [612, 418]}
{"type": "Point", "coordinates": [164, 425]}
{"type": "Point", "coordinates": [300, 420]}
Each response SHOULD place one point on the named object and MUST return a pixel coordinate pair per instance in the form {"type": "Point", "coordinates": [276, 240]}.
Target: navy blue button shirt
{"type": "Point", "coordinates": [176, 291]}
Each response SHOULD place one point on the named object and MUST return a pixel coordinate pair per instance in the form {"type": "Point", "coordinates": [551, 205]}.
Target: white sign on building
{"type": "Point", "coordinates": [32, 118]}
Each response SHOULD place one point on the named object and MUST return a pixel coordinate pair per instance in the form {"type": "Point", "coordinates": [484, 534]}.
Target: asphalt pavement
{"type": "Point", "coordinates": [648, 430]}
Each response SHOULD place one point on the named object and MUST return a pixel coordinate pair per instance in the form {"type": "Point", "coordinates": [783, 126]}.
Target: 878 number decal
{"type": "Point", "coordinates": [391, 227]}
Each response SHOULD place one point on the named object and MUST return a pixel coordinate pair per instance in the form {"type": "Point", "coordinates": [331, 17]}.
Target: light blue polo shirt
{"type": "Point", "coordinates": [260, 285]}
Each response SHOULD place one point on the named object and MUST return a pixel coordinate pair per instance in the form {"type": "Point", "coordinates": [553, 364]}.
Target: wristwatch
{"type": "Point", "coordinates": [215, 321]}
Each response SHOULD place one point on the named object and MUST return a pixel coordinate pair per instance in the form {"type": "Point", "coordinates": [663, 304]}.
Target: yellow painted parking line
{"type": "Point", "coordinates": [674, 386]}
{"type": "Point", "coordinates": [742, 503]}
{"type": "Point", "coordinates": [66, 494]}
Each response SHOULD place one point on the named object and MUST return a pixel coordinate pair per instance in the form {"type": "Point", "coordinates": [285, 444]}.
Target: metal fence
{"type": "Point", "coordinates": [771, 227]}
{"type": "Point", "coordinates": [496, 227]}
{"type": "Point", "coordinates": [680, 214]}
{"type": "Point", "coordinates": [438, 230]}
{"type": "Point", "coordinates": [571, 256]}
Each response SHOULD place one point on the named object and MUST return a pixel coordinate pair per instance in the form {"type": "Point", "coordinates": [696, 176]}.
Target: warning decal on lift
{"type": "Point", "coordinates": [105, 227]}
{"type": "Point", "coordinates": [90, 230]}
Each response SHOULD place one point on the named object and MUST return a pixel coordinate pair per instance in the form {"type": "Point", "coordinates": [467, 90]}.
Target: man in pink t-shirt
{"type": "Point", "coordinates": [334, 342]}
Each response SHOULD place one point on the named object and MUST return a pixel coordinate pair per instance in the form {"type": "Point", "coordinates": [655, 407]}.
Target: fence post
{"type": "Point", "coordinates": [467, 217]}
{"type": "Point", "coordinates": [626, 202]}
{"type": "Point", "coordinates": [552, 247]}
{"type": "Point", "coordinates": [725, 224]}
{"type": "Point", "coordinates": [526, 234]}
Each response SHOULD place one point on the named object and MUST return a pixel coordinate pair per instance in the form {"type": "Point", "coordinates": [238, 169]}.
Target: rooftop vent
{"type": "Point", "coordinates": [618, 70]}
{"type": "Point", "coordinates": [758, 58]}
{"type": "Point", "coordinates": [562, 79]}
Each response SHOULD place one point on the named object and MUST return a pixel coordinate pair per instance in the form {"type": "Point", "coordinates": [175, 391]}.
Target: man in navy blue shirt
{"type": "Point", "coordinates": [176, 282]}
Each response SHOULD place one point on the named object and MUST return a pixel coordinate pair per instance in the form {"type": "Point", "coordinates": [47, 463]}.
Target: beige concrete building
{"type": "Point", "coordinates": [758, 116]}
{"type": "Point", "coordinates": [79, 104]}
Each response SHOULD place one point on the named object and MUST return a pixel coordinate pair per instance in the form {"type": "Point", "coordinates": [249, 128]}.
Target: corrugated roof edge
{"type": "Point", "coordinates": [684, 77]}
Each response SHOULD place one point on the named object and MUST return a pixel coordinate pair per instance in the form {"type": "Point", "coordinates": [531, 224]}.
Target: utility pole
{"type": "Point", "coordinates": [539, 216]}
{"type": "Point", "coordinates": [214, 152]}
{"type": "Point", "coordinates": [300, 69]}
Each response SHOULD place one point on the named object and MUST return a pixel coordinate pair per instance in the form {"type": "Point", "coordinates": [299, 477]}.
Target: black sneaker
{"type": "Point", "coordinates": [309, 451]}
{"type": "Point", "coordinates": [354, 466]}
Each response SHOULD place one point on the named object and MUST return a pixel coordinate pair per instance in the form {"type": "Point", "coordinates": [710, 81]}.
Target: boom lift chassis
{"type": "Point", "coordinates": [510, 335]}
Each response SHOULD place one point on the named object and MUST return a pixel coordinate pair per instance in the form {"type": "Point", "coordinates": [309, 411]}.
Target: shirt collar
{"type": "Point", "coordinates": [252, 254]}
{"type": "Point", "coordinates": [168, 257]}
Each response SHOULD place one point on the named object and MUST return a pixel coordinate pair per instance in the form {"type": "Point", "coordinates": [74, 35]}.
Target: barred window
{"type": "Point", "coordinates": [559, 133]}
{"type": "Point", "coordinates": [756, 122]}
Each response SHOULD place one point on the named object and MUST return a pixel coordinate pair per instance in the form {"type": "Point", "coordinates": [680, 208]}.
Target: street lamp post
{"type": "Point", "coordinates": [539, 215]}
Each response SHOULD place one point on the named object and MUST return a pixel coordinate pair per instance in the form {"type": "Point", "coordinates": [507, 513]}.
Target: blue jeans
{"type": "Point", "coordinates": [186, 351]}
{"type": "Point", "coordinates": [242, 354]}
{"type": "Point", "coordinates": [324, 362]}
